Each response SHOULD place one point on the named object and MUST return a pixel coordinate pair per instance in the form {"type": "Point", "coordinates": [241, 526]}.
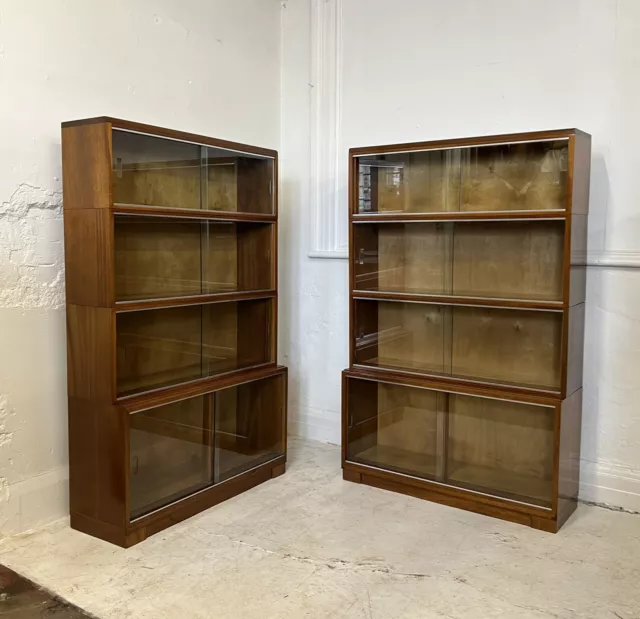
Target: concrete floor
{"type": "Point", "coordinates": [309, 544]}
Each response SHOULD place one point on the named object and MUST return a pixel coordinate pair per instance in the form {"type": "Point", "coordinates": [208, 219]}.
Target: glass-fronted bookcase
{"type": "Point", "coordinates": [467, 279]}
{"type": "Point", "coordinates": [175, 399]}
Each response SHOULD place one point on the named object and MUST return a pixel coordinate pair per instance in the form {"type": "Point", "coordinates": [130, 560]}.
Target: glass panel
{"type": "Point", "coordinates": [180, 448]}
{"type": "Point", "coordinates": [238, 183]}
{"type": "Point", "coordinates": [403, 336]}
{"type": "Point", "coordinates": [393, 427]}
{"type": "Point", "coordinates": [515, 177]}
{"type": "Point", "coordinates": [501, 448]}
{"type": "Point", "coordinates": [505, 177]}
{"type": "Point", "coordinates": [157, 257]}
{"type": "Point", "coordinates": [150, 171]}
{"type": "Point", "coordinates": [419, 182]}
{"type": "Point", "coordinates": [170, 454]}
{"type": "Point", "coordinates": [159, 172]}
{"type": "Point", "coordinates": [162, 347]}
{"type": "Point", "coordinates": [513, 260]}
{"type": "Point", "coordinates": [513, 347]}
{"type": "Point", "coordinates": [249, 425]}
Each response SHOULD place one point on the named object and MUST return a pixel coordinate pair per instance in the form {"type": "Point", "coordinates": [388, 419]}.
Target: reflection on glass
{"type": "Point", "coordinates": [167, 257]}
{"type": "Point", "coordinates": [249, 422]}
{"type": "Point", "coordinates": [515, 260]}
{"type": "Point", "coordinates": [162, 347]}
{"type": "Point", "coordinates": [170, 453]}
{"type": "Point", "coordinates": [515, 177]}
{"type": "Point", "coordinates": [501, 448]}
{"type": "Point", "coordinates": [393, 427]}
{"type": "Point", "coordinates": [503, 177]}
{"type": "Point", "coordinates": [159, 172]}
{"type": "Point", "coordinates": [513, 347]}
{"type": "Point", "coordinates": [497, 447]}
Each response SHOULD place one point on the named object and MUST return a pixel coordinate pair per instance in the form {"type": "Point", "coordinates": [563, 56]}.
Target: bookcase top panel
{"type": "Point", "coordinates": [118, 123]}
{"type": "Point", "coordinates": [506, 138]}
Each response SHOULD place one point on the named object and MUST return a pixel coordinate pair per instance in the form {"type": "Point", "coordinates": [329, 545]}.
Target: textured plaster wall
{"type": "Point", "coordinates": [206, 66]}
{"type": "Point", "coordinates": [426, 69]}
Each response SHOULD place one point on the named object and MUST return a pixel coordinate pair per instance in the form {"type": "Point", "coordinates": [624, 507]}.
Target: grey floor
{"type": "Point", "coordinates": [309, 544]}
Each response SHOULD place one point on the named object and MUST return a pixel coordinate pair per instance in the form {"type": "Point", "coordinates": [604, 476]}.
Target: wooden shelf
{"type": "Point", "coordinates": [222, 216]}
{"type": "Point", "coordinates": [530, 304]}
{"type": "Point", "coordinates": [202, 299]}
{"type": "Point", "coordinates": [551, 214]}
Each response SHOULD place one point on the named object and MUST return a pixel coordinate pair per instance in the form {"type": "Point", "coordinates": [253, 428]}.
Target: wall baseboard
{"type": "Point", "coordinates": [34, 502]}
{"type": "Point", "coordinates": [610, 484]}
{"type": "Point", "coordinates": [599, 482]}
{"type": "Point", "coordinates": [315, 424]}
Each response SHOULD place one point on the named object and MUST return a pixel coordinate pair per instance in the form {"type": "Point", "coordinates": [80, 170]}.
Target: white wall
{"type": "Point", "coordinates": [206, 66]}
{"type": "Point", "coordinates": [413, 70]}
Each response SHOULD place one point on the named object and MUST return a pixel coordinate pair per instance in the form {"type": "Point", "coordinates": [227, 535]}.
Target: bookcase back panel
{"type": "Point", "coordinates": [513, 347]}
{"type": "Point", "coordinates": [166, 257]}
{"type": "Point", "coordinates": [158, 348]}
{"type": "Point", "coordinates": [505, 448]}
{"type": "Point", "coordinates": [508, 346]}
{"type": "Point", "coordinates": [160, 172]}
{"type": "Point", "coordinates": [508, 260]}
{"type": "Point", "coordinates": [503, 177]}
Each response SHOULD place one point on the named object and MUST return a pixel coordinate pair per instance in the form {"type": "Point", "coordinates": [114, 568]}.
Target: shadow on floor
{"type": "Point", "coordinates": [22, 599]}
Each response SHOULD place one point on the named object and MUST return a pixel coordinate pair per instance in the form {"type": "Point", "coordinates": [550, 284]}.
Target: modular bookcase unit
{"type": "Point", "coordinates": [175, 399]}
{"type": "Point", "coordinates": [467, 277]}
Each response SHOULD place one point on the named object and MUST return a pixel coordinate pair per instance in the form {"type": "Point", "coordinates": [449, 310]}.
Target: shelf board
{"type": "Point", "coordinates": [181, 213]}
{"type": "Point", "coordinates": [408, 297]}
{"type": "Point", "coordinates": [199, 386]}
{"type": "Point", "coordinates": [552, 214]}
{"type": "Point", "coordinates": [434, 382]}
{"type": "Point", "coordinates": [401, 372]}
{"type": "Point", "coordinates": [201, 299]}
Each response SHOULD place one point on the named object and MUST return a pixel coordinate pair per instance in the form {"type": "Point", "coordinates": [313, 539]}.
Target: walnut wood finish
{"type": "Point", "coordinates": [171, 276]}
{"type": "Point", "coordinates": [467, 278]}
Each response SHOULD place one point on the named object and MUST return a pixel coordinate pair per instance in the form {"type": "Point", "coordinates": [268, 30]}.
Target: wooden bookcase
{"type": "Point", "coordinates": [467, 278]}
{"type": "Point", "coordinates": [175, 399]}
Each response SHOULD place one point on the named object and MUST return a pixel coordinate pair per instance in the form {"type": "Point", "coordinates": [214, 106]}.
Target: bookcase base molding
{"type": "Point", "coordinates": [192, 505]}
{"type": "Point", "coordinates": [428, 492]}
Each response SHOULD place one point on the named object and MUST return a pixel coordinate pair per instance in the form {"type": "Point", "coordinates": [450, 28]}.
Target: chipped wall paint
{"type": "Point", "coordinates": [31, 248]}
{"type": "Point", "coordinates": [209, 67]}
{"type": "Point", "coordinates": [468, 68]}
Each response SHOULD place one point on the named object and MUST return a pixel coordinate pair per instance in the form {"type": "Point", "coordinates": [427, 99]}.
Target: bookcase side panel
{"type": "Point", "coordinates": [569, 455]}
{"type": "Point", "coordinates": [86, 164]}
{"type": "Point", "coordinates": [97, 464]}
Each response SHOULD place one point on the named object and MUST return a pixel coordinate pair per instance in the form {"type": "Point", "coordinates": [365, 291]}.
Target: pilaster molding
{"type": "Point", "coordinates": [327, 191]}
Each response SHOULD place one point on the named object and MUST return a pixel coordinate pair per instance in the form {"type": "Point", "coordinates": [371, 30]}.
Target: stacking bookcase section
{"type": "Point", "coordinates": [175, 399]}
{"type": "Point", "coordinates": [467, 272]}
